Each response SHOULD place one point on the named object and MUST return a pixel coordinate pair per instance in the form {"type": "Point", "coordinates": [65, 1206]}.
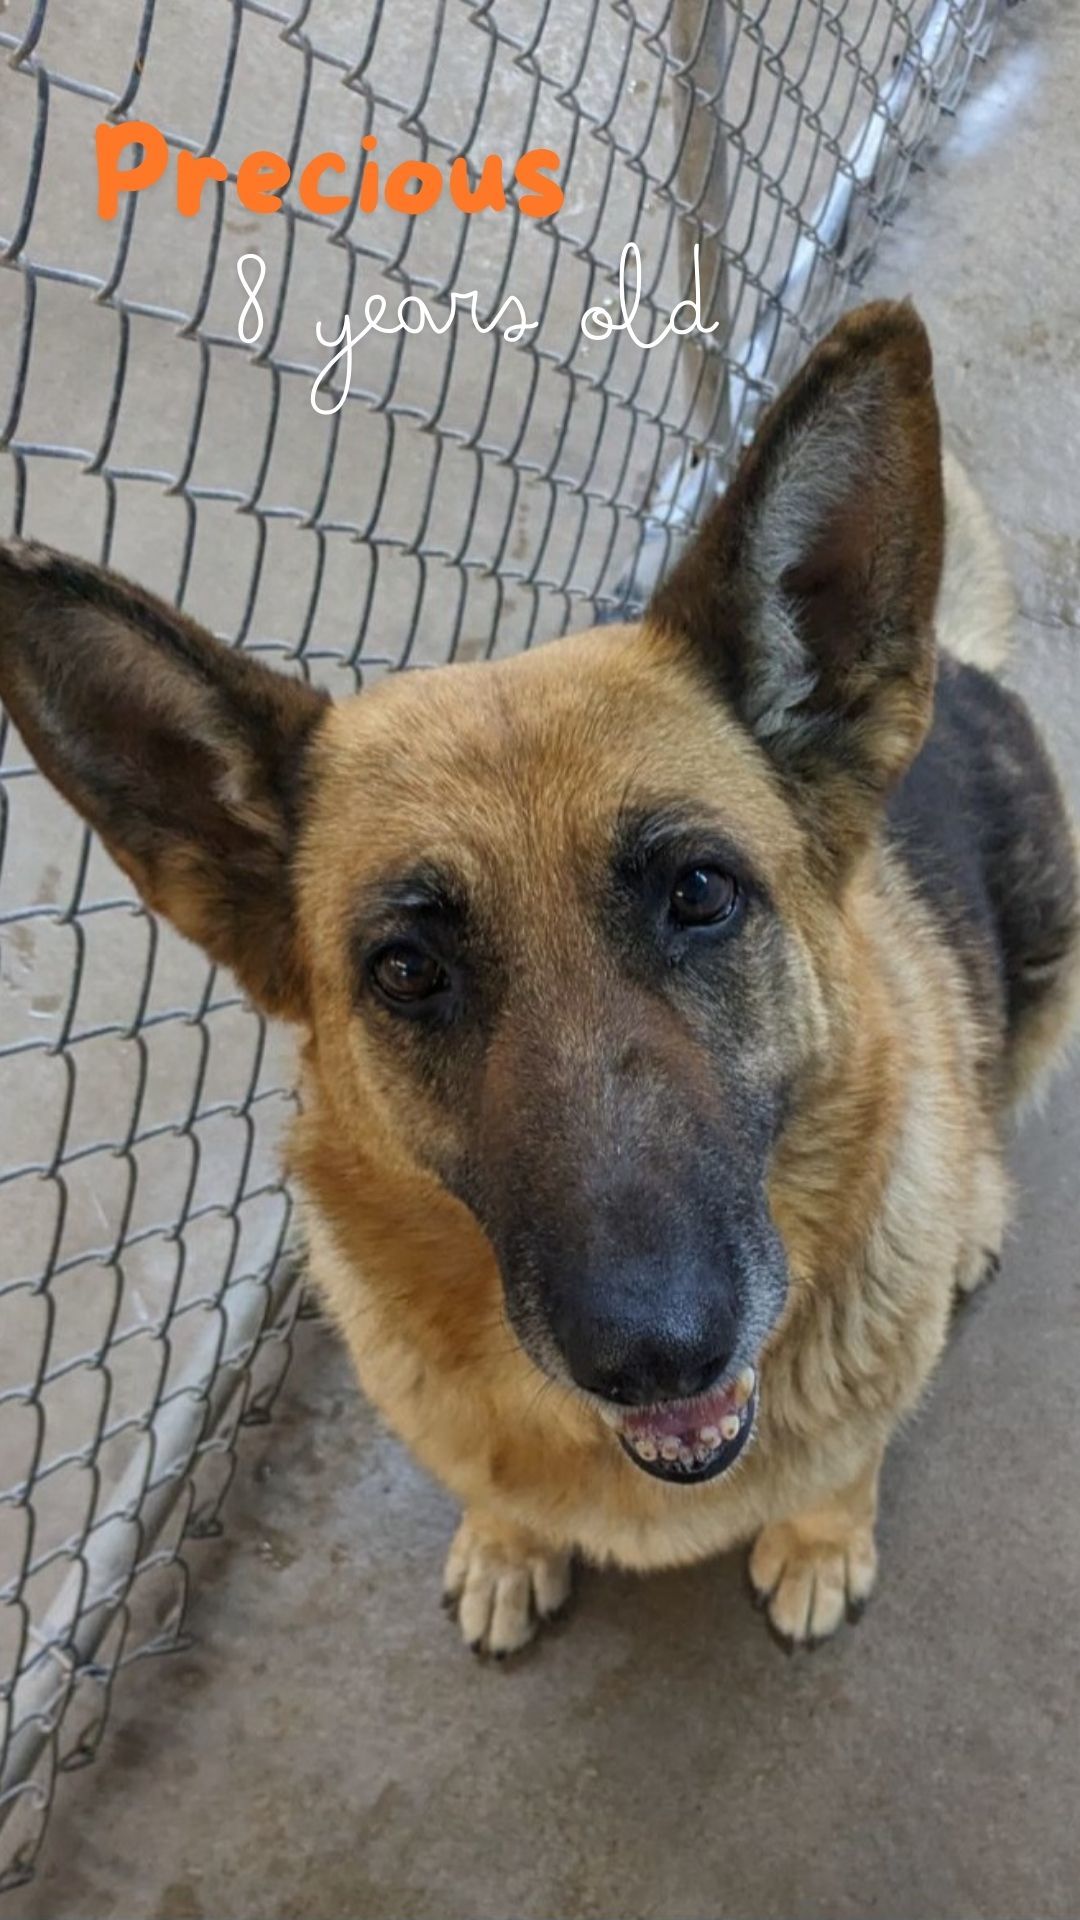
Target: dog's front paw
{"type": "Point", "coordinates": [978, 1266]}
{"type": "Point", "coordinates": [502, 1585]}
{"type": "Point", "coordinates": [809, 1586]}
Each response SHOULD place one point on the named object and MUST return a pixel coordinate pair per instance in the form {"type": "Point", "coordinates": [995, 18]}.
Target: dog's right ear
{"type": "Point", "coordinates": [187, 756]}
{"type": "Point", "coordinates": [808, 594]}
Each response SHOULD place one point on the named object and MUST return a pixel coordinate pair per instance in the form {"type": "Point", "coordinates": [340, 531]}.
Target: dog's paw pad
{"type": "Point", "coordinates": [501, 1591]}
{"type": "Point", "coordinates": [809, 1587]}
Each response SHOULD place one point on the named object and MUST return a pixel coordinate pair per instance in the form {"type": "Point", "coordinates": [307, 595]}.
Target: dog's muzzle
{"type": "Point", "coordinates": [692, 1440]}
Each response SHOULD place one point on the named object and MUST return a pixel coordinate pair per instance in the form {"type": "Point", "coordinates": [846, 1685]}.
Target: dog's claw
{"type": "Point", "coordinates": [758, 1600]}
{"type": "Point", "coordinates": [975, 1273]}
{"type": "Point", "coordinates": [784, 1641]}
{"type": "Point", "coordinates": [554, 1616]}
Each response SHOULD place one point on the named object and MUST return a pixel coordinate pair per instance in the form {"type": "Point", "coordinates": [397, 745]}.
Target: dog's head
{"type": "Point", "coordinates": [565, 927]}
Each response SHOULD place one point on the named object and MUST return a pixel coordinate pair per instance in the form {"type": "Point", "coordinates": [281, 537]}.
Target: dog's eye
{"type": "Point", "coordinates": [406, 976]}
{"type": "Point", "coordinates": [703, 896]}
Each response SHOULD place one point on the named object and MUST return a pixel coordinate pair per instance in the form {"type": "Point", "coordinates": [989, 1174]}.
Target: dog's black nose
{"type": "Point", "coordinates": [647, 1372]}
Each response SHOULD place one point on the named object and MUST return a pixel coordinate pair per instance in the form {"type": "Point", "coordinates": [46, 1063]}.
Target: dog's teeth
{"type": "Point", "coordinates": [702, 1452]}
{"type": "Point", "coordinates": [744, 1386]}
{"type": "Point", "coordinates": [669, 1448]}
{"type": "Point", "coordinates": [686, 1456]}
{"type": "Point", "coordinates": [709, 1436]}
{"type": "Point", "coordinates": [645, 1449]}
{"type": "Point", "coordinates": [729, 1426]}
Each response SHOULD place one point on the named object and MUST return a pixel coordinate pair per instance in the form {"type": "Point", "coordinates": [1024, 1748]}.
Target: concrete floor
{"type": "Point", "coordinates": [328, 1749]}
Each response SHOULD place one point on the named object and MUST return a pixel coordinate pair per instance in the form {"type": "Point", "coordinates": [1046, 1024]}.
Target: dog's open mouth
{"type": "Point", "coordinates": [690, 1440]}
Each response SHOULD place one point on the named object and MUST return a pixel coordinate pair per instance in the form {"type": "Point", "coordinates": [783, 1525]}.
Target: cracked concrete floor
{"type": "Point", "coordinates": [328, 1749]}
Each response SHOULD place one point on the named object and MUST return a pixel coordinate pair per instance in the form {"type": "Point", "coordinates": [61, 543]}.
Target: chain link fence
{"type": "Point", "coordinates": [471, 496]}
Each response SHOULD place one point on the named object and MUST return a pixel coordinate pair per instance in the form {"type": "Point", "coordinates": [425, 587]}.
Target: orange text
{"type": "Point", "coordinates": [134, 154]}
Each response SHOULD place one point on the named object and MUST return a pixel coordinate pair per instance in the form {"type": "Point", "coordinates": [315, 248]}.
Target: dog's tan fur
{"type": "Point", "coordinates": [888, 1187]}
{"type": "Point", "coordinates": [877, 1225]}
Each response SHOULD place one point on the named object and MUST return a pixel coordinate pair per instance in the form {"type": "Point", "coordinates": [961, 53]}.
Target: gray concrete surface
{"type": "Point", "coordinates": [327, 1749]}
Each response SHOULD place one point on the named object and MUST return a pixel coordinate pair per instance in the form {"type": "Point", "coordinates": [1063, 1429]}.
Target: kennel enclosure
{"type": "Point", "coordinates": [472, 495]}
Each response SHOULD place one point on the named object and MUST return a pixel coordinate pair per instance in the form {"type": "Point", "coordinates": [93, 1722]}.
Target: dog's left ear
{"type": "Point", "coordinates": [187, 756]}
{"type": "Point", "coordinates": [808, 595]}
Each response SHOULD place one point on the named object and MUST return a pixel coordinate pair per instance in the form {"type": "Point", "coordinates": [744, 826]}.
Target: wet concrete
{"type": "Point", "coordinates": [328, 1749]}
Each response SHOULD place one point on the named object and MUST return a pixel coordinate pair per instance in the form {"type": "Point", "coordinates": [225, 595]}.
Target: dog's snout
{"type": "Point", "coordinates": [639, 1259]}
{"type": "Point", "coordinates": [639, 1368]}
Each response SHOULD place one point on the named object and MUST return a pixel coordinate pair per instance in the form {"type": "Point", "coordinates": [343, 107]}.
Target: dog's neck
{"type": "Point", "coordinates": [895, 1015]}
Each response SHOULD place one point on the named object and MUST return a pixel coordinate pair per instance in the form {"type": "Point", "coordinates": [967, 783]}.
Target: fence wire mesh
{"type": "Point", "coordinates": [471, 496]}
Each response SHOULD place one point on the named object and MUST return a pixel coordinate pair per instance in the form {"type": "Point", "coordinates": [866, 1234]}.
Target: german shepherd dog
{"type": "Point", "coordinates": [665, 991]}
